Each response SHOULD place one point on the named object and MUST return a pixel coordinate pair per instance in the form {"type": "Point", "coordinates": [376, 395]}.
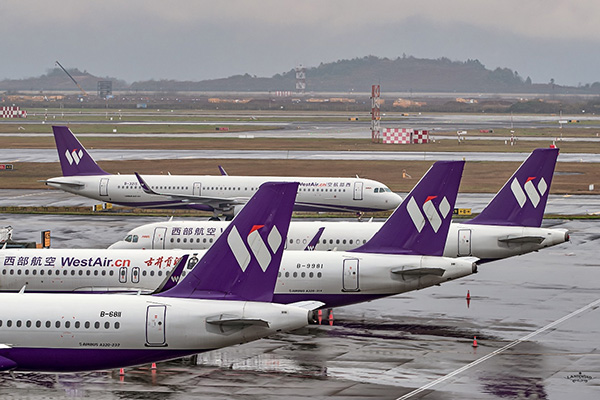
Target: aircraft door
{"type": "Point", "coordinates": [155, 325]}
{"type": "Point", "coordinates": [135, 275]}
{"type": "Point", "coordinates": [464, 242]}
{"type": "Point", "coordinates": [358, 190]}
{"type": "Point", "coordinates": [104, 187]}
{"type": "Point", "coordinates": [197, 190]}
{"type": "Point", "coordinates": [158, 241]}
{"type": "Point", "coordinates": [350, 275]}
{"type": "Point", "coordinates": [123, 275]}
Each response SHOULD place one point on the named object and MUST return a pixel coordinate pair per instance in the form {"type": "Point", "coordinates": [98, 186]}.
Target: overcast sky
{"type": "Point", "coordinates": [196, 39]}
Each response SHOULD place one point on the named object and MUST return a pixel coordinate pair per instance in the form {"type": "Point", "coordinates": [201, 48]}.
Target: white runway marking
{"type": "Point", "coordinates": [500, 350]}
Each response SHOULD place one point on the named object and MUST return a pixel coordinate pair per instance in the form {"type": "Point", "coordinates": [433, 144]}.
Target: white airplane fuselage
{"type": "Point", "coordinates": [334, 278]}
{"type": "Point", "coordinates": [76, 332]}
{"type": "Point", "coordinates": [206, 192]}
{"type": "Point", "coordinates": [486, 242]}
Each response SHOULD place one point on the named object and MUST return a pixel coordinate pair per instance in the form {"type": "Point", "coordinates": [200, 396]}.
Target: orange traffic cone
{"type": "Point", "coordinates": [153, 365]}
{"type": "Point", "coordinates": [122, 371]}
{"type": "Point", "coordinates": [468, 295]}
{"type": "Point", "coordinates": [475, 341]}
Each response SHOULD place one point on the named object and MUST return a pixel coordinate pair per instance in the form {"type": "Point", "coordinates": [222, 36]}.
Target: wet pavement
{"type": "Point", "coordinates": [557, 204]}
{"type": "Point", "coordinates": [50, 156]}
{"type": "Point", "coordinates": [535, 318]}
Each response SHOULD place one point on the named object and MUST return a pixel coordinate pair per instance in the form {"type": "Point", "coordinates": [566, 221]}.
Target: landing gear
{"type": "Point", "coordinates": [359, 216]}
{"type": "Point", "coordinates": [213, 218]}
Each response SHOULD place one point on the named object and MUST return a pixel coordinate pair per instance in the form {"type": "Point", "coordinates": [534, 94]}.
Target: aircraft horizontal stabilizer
{"type": "Point", "coordinates": [522, 239]}
{"type": "Point", "coordinates": [61, 182]}
{"type": "Point", "coordinates": [308, 304]}
{"type": "Point", "coordinates": [232, 320]}
{"type": "Point", "coordinates": [419, 271]}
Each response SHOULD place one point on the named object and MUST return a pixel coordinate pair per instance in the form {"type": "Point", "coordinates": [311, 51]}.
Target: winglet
{"type": "Point", "coordinates": [174, 276]}
{"type": "Point", "coordinates": [420, 225]}
{"type": "Point", "coordinates": [522, 200]}
{"type": "Point", "coordinates": [145, 187]}
{"type": "Point", "coordinates": [315, 240]}
{"type": "Point", "coordinates": [74, 158]}
{"type": "Point", "coordinates": [243, 263]}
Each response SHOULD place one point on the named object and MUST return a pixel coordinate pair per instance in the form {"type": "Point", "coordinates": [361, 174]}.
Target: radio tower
{"type": "Point", "coordinates": [375, 114]}
{"type": "Point", "coordinates": [300, 79]}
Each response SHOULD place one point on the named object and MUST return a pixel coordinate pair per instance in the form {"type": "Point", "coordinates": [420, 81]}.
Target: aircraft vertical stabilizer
{"type": "Point", "coordinates": [74, 158]}
{"type": "Point", "coordinates": [522, 200]}
{"type": "Point", "coordinates": [243, 263]}
{"type": "Point", "coordinates": [420, 225]}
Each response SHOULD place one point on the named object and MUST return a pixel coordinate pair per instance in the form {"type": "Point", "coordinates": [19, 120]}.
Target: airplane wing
{"type": "Point", "coordinates": [418, 271]}
{"type": "Point", "coordinates": [308, 304]}
{"type": "Point", "coordinates": [235, 321]}
{"type": "Point", "coordinates": [522, 239]}
{"type": "Point", "coordinates": [215, 202]}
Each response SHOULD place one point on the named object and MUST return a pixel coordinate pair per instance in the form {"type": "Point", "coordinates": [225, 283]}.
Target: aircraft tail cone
{"type": "Point", "coordinates": [475, 341]}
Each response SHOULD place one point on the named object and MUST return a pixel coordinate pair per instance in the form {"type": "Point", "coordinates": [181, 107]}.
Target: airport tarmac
{"type": "Point", "coordinates": [50, 156]}
{"type": "Point", "coordinates": [557, 204]}
{"type": "Point", "coordinates": [535, 318]}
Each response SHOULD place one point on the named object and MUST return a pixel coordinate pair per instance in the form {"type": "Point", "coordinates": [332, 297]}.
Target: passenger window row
{"type": "Point", "coordinates": [73, 272]}
{"type": "Point", "coordinates": [57, 324]}
{"type": "Point", "coordinates": [300, 274]}
{"type": "Point", "coordinates": [57, 272]}
{"type": "Point", "coordinates": [204, 240]}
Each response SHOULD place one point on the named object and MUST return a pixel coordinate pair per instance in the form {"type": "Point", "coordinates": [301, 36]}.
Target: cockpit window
{"type": "Point", "coordinates": [128, 238]}
{"type": "Point", "coordinates": [135, 238]}
{"type": "Point", "coordinates": [376, 190]}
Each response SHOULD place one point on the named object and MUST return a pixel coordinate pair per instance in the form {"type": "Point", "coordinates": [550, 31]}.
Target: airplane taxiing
{"type": "Point", "coordinates": [222, 194]}
{"type": "Point", "coordinates": [77, 332]}
{"type": "Point", "coordinates": [510, 225]}
{"type": "Point", "coordinates": [403, 256]}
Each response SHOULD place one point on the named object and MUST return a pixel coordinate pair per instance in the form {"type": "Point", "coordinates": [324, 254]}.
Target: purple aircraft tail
{"type": "Point", "coordinates": [420, 224]}
{"type": "Point", "coordinates": [74, 158]}
{"type": "Point", "coordinates": [243, 263]}
{"type": "Point", "coordinates": [522, 200]}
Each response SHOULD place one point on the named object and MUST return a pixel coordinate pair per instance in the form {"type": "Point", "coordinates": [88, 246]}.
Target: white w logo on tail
{"type": "Point", "coordinates": [429, 213]}
{"type": "Point", "coordinates": [262, 251]}
{"type": "Point", "coordinates": [74, 156]}
{"type": "Point", "coordinates": [529, 191]}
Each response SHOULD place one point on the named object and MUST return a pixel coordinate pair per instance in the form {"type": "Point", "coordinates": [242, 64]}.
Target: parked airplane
{"type": "Point", "coordinates": [402, 258]}
{"type": "Point", "coordinates": [71, 332]}
{"type": "Point", "coordinates": [510, 225]}
{"type": "Point", "coordinates": [222, 194]}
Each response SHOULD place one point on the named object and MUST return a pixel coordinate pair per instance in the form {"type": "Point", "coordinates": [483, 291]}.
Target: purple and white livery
{"type": "Point", "coordinates": [222, 194]}
{"type": "Point", "coordinates": [72, 332]}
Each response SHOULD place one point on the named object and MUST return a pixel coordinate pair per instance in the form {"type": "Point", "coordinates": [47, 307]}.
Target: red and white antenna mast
{"type": "Point", "coordinates": [375, 114]}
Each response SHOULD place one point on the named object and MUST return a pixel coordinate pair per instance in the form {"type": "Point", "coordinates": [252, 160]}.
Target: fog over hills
{"type": "Point", "coordinates": [402, 74]}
